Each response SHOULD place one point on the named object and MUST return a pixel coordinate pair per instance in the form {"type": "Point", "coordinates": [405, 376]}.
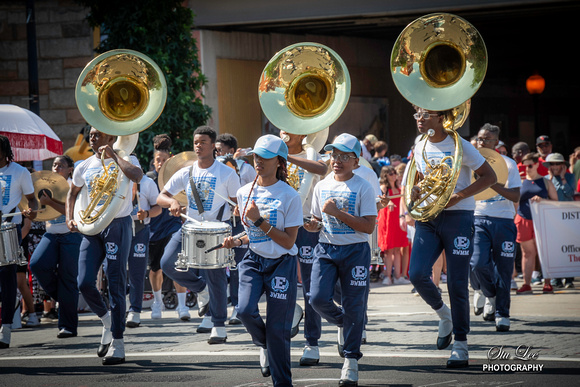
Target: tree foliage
{"type": "Point", "coordinates": [162, 30]}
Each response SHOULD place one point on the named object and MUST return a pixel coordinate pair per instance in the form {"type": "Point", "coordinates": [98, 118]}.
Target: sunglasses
{"type": "Point", "coordinates": [529, 165]}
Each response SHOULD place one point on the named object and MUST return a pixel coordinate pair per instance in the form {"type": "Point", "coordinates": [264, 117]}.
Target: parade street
{"type": "Point", "coordinates": [542, 347]}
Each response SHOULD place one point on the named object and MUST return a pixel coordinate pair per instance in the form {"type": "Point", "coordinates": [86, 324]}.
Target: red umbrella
{"type": "Point", "coordinates": [30, 137]}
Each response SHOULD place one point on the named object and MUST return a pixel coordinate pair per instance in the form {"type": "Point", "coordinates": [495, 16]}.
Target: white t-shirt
{"type": "Point", "coordinates": [280, 206]}
{"type": "Point", "coordinates": [58, 225]}
{"type": "Point", "coordinates": [292, 168]}
{"type": "Point", "coordinates": [498, 206]}
{"type": "Point", "coordinates": [218, 177]}
{"type": "Point", "coordinates": [86, 172]}
{"type": "Point", "coordinates": [370, 176]}
{"type": "Point", "coordinates": [15, 182]}
{"type": "Point", "coordinates": [148, 193]}
{"type": "Point", "coordinates": [355, 196]}
{"type": "Point", "coordinates": [435, 152]}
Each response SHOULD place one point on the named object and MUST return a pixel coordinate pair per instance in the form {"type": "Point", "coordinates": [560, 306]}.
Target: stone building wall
{"type": "Point", "coordinates": [64, 46]}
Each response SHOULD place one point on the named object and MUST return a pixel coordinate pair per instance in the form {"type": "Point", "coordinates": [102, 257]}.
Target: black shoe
{"type": "Point", "coordinates": [457, 363]}
{"type": "Point", "coordinates": [113, 360]}
{"type": "Point", "coordinates": [103, 349]}
{"type": "Point", "coordinates": [203, 310]}
{"type": "Point", "coordinates": [4, 345]}
{"type": "Point", "coordinates": [217, 340]}
{"type": "Point", "coordinates": [349, 383]}
{"type": "Point", "coordinates": [443, 342]}
{"type": "Point", "coordinates": [65, 334]}
{"type": "Point", "coordinates": [265, 371]}
{"type": "Point", "coordinates": [307, 361]}
{"type": "Point", "coordinates": [477, 311]}
{"type": "Point", "coordinates": [51, 314]}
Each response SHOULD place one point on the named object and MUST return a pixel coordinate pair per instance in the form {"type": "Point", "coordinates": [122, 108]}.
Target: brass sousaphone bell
{"type": "Point", "coordinates": [438, 63]}
{"type": "Point", "coordinates": [120, 93]}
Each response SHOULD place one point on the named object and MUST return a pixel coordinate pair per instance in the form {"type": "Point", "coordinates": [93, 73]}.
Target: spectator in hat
{"type": "Point", "coordinates": [501, 148]}
{"type": "Point", "coordinates": [544, 148]}
{"type": "Point", "coordinates": [565, 184]}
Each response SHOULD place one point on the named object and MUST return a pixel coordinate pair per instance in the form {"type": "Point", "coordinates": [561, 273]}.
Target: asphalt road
{"type": "Point", "coordinates": [400, 350]}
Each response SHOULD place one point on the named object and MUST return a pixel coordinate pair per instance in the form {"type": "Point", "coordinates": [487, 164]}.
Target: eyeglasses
{"type": "Point", "coordinates": [485, 140]}
{"type": "Point", "coordinates": [391, 173]}
{"type": "Point", "coordinates": [529, 165]}
{"type": "Point", "coordinates": [343, 157]}
{"type": "Point", "coordinates": [423, 115]}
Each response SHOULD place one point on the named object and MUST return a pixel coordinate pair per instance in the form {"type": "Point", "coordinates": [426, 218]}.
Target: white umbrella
{"type": "Point", "coordinates": [30, 137]}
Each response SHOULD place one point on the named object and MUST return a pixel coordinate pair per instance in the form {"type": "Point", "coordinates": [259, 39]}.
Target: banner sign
{"type": "Point", "coordinates": [557, 229]}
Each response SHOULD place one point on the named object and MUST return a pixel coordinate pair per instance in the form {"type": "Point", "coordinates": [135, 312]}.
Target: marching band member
{"type": "Point", "coordinates": [227, 145]}
{"type": "Point", "coordinates": [451, 230]}
{"type": "Point", "coordinates": [494, 242]}
{"type": "Point", "coordinates": [345, 204]}
{"type": "Point", "coordinates": [199, 181]}
{"type": "Point", "coordinates": [298, 164]}
{"type": "Point", "coordinates": [144, 208]}
{"type": "Point", "coordinates": [111, 244]}
{"type": "Point", "coordinates": [55, 260]}
{"type": "Point", "coordinates": [15, 182]}
{"type": "Point", "coordinates": [162, 228]}
{"type": "Point", "coordinates": [272, 213]}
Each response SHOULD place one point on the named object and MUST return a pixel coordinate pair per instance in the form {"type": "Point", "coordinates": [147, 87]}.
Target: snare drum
{"type": "Point", "coordinates": [375, 249]}
{"type": "Point", "coordinates": [196, 238]}
{"type": "Point", "coordinates": [10, 250]}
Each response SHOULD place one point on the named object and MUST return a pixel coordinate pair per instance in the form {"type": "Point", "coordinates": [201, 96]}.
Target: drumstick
{"type": "Point", "coordinates": [226, 199]}
{"type": "Point", "coordinates": [138, 203]}
{"type": "Point", "coordinates": [236, 237]}
{"type": "Point", "coordinates": [190, 218]}
{"type": "Point", "coordinates": [19, 213]}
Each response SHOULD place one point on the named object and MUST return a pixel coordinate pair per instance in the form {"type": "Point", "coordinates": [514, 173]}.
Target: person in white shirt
{"type": "Point", "coordinates": [212, 182]}
{"type": "Point", "coordinates": [494, 242]}
{"type": "Point", "coordinates": [344, 204]}
{"type": "Point", "coordinates": [55, 261]}
{"type": "Point", "coordinates": [15, 182]}
{"type": "Point", "coordinates": [144, 208]}
{"type": "Point", "coordinates": [451, 230]}
{"type": "Point", "coordinates": [271, 212]}
{"type": "Point", "coordinates": [111, 244]}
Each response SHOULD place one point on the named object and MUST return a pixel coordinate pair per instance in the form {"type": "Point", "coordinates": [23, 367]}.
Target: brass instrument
{"type": "Point", "coordinates": [51, 184]}
{"type": "Point", "coordinates": [304, 88]}
{"type": "Point", "coordinates": [120, 93]}
{"type": "Point", "coordinates": [438, 63]}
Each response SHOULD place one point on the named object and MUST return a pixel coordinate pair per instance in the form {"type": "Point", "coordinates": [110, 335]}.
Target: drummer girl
{"type": "Point", "coordinates": [55, 261]}
{"type": "Point", "coordinates": [271, 211]}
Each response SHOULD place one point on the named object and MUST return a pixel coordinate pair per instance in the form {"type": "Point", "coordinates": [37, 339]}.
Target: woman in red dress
{"type": "Point", "coordinates": [391, 236]}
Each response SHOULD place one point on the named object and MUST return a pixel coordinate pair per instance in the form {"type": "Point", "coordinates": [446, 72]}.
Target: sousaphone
{"type": "Point", "coordinates": [438, 63]}
{"type": "Point", "coordinates": [120, 93]}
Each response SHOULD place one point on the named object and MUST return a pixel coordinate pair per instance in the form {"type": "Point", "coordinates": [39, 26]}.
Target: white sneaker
{"type": "Point", "coordinates": [264, 362]}
{"type": "Point", "coordinates": [218, 335]}
{"type": "Point", "coordinates": [298, 315]}
{"type": "Point", "coordinates": [489, 309]}
{"type": "Point", "coordinates": [234, 320]}
{"type": "Point", "coordinates": [156, 310]}
{"type": "Point", "coordinates": [401, 281]}
{"type": "Point", "coordinates": [133, 319]}
{"type": "Point", "coordinates": [310, 356]}
{"type": "Point", "coordinates": [502, 324]}
{"type": "Point", "coordinates": [478, 302]}
{"type": "Point", "coordinates": [340, 341]}
{"type": "Point", "coordinates": [205, 326]}
{"type": "Point", "coordinates": [459, 355]}
{"type": "Point", "coordinates": [349, 375]}
{"type": "Point", "coordinates": [5, 333]}
{"type": "Point", "coordinates": [387, 281]}
{"type": "Point", "coordinates": [203, 301]}
{"type": "Point", "coordinates": [116, 353]}
{"type": "Point", "coordinates": [33, 320]}
{"type": "Point", "coordinates": [445, 329]}
{"type": "Point", "coordinates": [513, 285]}
{"type": "Point", "coordinates": [183, 313]}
